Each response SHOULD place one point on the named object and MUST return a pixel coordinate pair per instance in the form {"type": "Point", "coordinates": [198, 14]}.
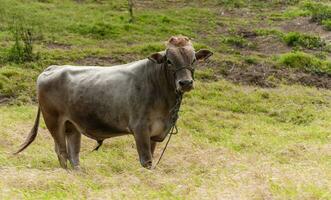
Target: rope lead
{"type": "Point", "coordinates": [173, 119]}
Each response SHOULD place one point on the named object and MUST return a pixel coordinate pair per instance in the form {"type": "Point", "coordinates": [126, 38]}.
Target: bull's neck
{"type": "Point", "coordinates": [162, 82]}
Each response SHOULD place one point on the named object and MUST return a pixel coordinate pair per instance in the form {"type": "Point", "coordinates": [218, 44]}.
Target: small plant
{"type": "Point", "coordinates": [22, 49]}
{"type": "Point", "coordinates": [303, 40]}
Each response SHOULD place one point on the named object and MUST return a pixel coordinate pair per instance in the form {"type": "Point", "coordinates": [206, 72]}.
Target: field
{"type": "Point", "coordinates": [257, 125]}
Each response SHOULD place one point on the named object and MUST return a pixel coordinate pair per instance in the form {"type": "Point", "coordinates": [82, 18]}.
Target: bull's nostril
{"type": "Point", "coordinates": [185, 83]}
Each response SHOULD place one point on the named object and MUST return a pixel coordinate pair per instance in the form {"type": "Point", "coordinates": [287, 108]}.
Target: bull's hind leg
{"type": "Point", "coordinates": [73, 145]}
{"type": "Point", "coordinates": [56, 127]}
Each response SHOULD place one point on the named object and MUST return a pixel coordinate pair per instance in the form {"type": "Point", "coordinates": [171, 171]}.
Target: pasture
{"type": "Point", "coordinates": [256, 126]}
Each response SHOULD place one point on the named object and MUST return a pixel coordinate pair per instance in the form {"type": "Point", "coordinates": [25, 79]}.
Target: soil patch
{"type": "Point", "coordinates": [267, 76]}
{"type": "Point", "coordinates": [264, 75]}
{"type": "Point", "coordinates": [54, 45]}
{"type": "Point", "coordinates": [97, 61]}
{"type": "Point", "coordinates": [270, 45]}
{"type": "Point", "coordinates": [304, 25]}
{"type": "Point", "coordinates": [108, 60]}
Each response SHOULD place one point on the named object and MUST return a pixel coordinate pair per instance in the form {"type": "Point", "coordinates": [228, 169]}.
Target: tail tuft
{"type": "Point", "coordinates": [99, 145]}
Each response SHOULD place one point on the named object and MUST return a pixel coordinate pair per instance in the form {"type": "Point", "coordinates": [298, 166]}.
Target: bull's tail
{"type": "Point", "coordinates": [98, 146]}
{"type": "Point", "coordinates": [32, 135]}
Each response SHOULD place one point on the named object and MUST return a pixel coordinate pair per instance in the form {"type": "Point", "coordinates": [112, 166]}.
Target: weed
{"type": "Point", "coordinates": [301, 60]}
{"type": "Point", "coordinates": [304, 40]}
{"type": "Point", "coordinates": [22, 49]}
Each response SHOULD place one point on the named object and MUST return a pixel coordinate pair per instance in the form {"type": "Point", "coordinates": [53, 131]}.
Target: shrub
{"type": "Point", "coordinates": [303, 40]}
{"type": "Point", "coordinates": [301, 60]}
{"type": "Point", "coordinates": [22, 49]}
{"type": "Point", "coordinates": [327, 24]}
{"type": "Point", "coordinates": [319, 11]}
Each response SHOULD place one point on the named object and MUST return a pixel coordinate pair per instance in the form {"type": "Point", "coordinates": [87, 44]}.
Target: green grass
{"type": "Point", "coordinates": [254, 142]}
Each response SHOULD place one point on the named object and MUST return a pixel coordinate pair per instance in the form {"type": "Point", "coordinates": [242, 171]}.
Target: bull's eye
{"type": "Point", "coordinates": [169, 62]}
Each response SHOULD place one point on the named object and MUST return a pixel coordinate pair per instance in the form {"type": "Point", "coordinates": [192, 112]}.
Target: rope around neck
{"type": "Point", "coordinates": [173, 128]}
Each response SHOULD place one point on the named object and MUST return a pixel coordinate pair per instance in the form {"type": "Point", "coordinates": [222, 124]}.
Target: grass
{"type": "Point", "coordinates": [260, 143]}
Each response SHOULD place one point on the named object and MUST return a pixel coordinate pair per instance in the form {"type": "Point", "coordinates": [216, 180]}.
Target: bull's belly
{"type": "Point", "coordinates": [101, 132]}
{"type": "Point", "coordinates": [102, 135]}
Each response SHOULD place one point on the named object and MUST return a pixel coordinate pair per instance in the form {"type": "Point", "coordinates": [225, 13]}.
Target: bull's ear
{"type": "Point", "coordinates": [157, 58]}
{"type": "Point", "coordinates": [203, 54]}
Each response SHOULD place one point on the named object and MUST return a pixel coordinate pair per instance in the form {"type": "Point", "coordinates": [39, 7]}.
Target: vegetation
{"type": "Point", "coordinates": [22, 49]}
{"type": "Point", "coordinates": [235, 141]}
{"type": "Point", "coordinates": [327, 24]}
{"type": "Point", "coordinates": [305, 61]}
{"type": "Point", "coordinates": [304, 40]}
{"type": "Point", "coordinates": [319, 11]}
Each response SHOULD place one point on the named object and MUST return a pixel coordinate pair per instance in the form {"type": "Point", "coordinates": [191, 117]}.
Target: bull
{"type": "Point", "coordinates": [104, 102]}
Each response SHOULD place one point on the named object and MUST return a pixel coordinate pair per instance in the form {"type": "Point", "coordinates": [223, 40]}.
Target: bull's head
{"type": "Point", "coordinates": [180, 57]}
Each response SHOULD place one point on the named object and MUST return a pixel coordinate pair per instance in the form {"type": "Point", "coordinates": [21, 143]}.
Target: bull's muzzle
{"type": "Point", "coordinates": [185, 85]}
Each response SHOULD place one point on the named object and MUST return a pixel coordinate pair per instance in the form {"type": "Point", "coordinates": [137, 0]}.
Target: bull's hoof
{"type": "Point", "coordinates": [147, 165]}
{"type": "Point", "coordinates": [63, 162]}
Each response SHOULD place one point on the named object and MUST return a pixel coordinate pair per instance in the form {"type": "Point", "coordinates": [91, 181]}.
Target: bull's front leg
{"type": "Point", "coordinates": [153, 146]}
{"type": "Point", "coordinates": [143, 143]}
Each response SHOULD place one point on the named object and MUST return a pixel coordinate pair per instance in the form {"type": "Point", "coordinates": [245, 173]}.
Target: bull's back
{"type": "Point", "coordinates": [94, 98]}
